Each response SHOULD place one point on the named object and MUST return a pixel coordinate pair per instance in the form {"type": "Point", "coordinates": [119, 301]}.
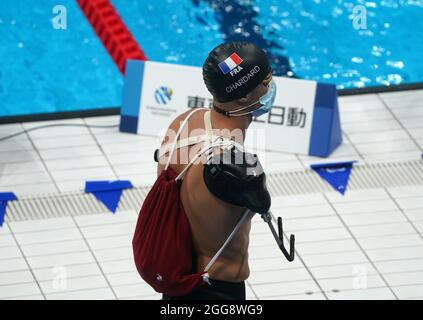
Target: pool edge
{"type": "Point", "coordinates": [60, 115]}
{"type": "Point", "coordinates": [116, 110]}
{"type": "Point", "coordinates": [381, 89]}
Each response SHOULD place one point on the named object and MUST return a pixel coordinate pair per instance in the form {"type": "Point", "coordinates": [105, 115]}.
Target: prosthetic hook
{"type": "Point", "coordinates": [279, 236]}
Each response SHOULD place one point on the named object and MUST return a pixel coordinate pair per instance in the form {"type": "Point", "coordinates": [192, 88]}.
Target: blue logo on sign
{"type": "Point", "coordinates": [163, 95]}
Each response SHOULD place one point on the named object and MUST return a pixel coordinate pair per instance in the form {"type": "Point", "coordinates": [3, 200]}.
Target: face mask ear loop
{"type": "Point", "coordinates": [243, 108]}
{"type": "Point", "coordinates": [230, 113]}
{"type": "Point", "coordinates": [242, 114]}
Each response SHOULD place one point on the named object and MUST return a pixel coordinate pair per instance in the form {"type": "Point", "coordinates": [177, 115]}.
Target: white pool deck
{"type": "Point", "coordinates": [367, 244]}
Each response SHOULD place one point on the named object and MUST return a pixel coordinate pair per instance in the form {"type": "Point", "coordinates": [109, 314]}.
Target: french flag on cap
{"type": "Point", "coordinates": [229, 63]}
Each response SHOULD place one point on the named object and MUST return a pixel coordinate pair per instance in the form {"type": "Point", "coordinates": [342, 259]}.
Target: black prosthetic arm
{"type": "Point", "coordinates": [279, 236]}
{"type": "Point", "coordinates": [238, 178]}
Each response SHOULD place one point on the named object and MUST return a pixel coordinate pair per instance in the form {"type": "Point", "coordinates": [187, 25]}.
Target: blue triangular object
{"type": "Point", "coordinates": [336, 174]}
{"type": "Point", "coordinates": [3, 205]}
{"type": "Point", "coordinates": [4, 198]}
{"type": "Point", "coordinates": [7, 196]}
{"type": "Point", "coordinates": [108, 192]}
{"type": "Point", "coordinates": [92, 186]}
{"type": "Point", "coordinates": [109, 198]}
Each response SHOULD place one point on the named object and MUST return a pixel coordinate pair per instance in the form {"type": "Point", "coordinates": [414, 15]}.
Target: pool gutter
{"type": "Point", "coordinates": [381, 89]}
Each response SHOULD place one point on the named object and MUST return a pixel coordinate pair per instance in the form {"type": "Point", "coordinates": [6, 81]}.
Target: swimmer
{"type": "Point", "coordinates": [239, 77]}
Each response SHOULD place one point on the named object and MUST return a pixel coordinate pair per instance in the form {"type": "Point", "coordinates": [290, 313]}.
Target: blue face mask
{"type": "Point", "coordinates": [266, 101]}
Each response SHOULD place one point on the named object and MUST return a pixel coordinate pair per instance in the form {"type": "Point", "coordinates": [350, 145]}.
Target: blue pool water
{"type": "Point", "coordinates": [47, 70]}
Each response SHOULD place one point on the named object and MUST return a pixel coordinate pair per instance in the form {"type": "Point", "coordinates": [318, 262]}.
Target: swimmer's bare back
{"type": "Point", "coordinates": [211, 219]}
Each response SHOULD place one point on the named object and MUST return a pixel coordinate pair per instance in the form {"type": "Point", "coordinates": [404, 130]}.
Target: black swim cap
{"type": "Point", "coordinates": [234, 69]}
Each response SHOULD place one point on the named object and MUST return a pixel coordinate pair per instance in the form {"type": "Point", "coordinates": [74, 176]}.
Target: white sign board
{"type": "Point", "coordinates": [303, 120]}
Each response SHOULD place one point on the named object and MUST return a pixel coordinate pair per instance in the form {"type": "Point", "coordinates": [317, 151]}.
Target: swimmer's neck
{"type": "Point", "coordinates": [221, 121]}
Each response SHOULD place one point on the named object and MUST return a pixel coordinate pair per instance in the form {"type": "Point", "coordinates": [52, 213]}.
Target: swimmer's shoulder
{"type": "Point", "coordinates": [174, 126]}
